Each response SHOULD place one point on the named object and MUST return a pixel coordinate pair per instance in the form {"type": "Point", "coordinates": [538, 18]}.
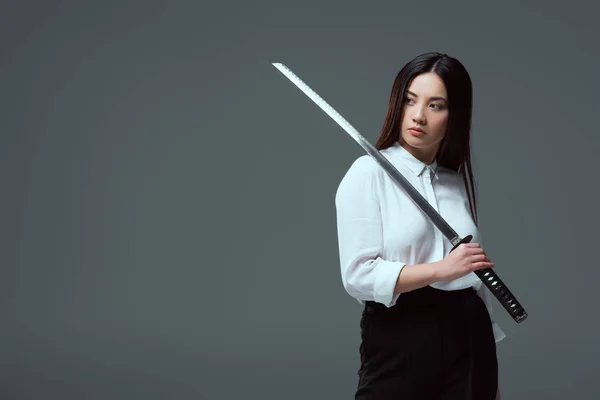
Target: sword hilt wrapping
{"type": "Point", "coordinates": [498, 288]}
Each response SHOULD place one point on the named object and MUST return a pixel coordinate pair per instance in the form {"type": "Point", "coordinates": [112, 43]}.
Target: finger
{"type": "Point", "coordinates": [483, 264]}
{"type": "Point", "coordinates": [476, 251]}
{"type": "Point", "coordinates": [479, 258]}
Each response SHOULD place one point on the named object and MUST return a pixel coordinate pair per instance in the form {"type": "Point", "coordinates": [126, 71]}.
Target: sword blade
{"type": "Point", "coordinates": [419, 200]}
{"type": "Point", "coordinates": [487, 276]}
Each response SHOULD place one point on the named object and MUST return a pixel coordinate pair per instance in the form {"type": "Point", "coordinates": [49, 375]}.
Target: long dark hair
{"type": "Point", "coordinates": [455, 151]}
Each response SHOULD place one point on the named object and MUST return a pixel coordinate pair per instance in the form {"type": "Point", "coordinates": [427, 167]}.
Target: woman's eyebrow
{"type": "Point", "coordinates": [432, 98]}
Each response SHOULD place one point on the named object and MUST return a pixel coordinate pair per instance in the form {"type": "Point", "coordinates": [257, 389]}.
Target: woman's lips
{"type": "Point", "coordinates": [416, 132]}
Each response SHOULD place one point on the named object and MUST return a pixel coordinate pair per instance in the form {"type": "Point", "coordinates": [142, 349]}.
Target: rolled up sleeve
{"type": "Point", "coordinates": [366, 275]}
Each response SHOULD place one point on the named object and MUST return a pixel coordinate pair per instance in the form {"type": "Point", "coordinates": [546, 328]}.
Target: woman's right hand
{"type": "Point", "coordinates": [466, 258]}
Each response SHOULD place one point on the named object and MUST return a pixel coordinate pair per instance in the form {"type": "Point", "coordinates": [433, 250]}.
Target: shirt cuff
{"type": "Point", "coordinates": [385, 282]}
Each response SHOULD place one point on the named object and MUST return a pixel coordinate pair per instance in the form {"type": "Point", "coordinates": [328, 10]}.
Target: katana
{"type": "Point", "coordinates": [487, 276]}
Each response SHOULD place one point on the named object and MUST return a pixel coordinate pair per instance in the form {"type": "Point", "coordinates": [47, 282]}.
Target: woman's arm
{"type": "Point", "coordinates": [365, 274]}
{"type": "Point", "coordinates": [415, 276]}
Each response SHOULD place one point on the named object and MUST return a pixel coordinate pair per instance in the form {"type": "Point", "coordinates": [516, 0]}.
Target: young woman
{"type": "Point", "coordinates": [426, 330]}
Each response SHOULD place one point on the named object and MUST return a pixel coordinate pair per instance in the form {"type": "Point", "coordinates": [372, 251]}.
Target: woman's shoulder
{"type": "Point", "coordinates": [363, 173]}
{"type": "Point", "coordinates": [365, 163]}
{"type": "Point", "coordinates": [364, 167]}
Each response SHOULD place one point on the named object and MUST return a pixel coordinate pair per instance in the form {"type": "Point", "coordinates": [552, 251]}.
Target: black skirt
{"type": "Point", "coordinates": [431, 345]}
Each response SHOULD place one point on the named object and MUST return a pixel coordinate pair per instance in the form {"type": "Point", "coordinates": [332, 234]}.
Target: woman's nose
{"type": "Point", "coordinates": [419, 117]}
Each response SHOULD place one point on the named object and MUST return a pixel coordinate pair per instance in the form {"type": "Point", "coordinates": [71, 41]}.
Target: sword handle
{"type": "Point", "coordinates": [498, 288]}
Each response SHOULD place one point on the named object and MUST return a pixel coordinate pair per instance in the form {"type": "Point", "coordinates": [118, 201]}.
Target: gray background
{"type": "Point", "coordinates": [168, 226]}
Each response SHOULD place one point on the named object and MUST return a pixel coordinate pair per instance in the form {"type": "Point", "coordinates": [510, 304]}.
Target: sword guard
{"type": "Point", "coordinates": [466, 239]}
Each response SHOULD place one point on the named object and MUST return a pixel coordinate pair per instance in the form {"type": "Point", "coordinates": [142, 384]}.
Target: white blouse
{"type": "Point", "coordinates": [380, 229]}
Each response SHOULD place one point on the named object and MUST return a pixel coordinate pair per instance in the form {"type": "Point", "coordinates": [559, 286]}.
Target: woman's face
{"type": "Point", "coordinates": [425, 116]}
